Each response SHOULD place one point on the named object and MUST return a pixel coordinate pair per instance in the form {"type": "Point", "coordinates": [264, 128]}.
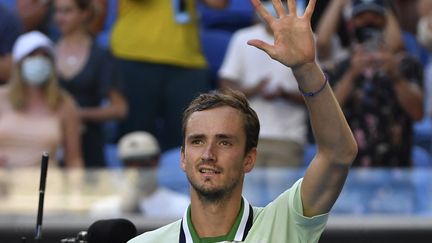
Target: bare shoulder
{"type": "Point", "coordinates": [68, 107]}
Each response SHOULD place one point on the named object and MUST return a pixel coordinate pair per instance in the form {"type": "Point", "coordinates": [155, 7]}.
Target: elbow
{"type": "Point", "coordinates": [119, 109]}
{"type": "Point", "coordinates": [345, 155]}
{"type": "Point", "coordinates": [417, 114]}
{"type": "Point", "coordinates": [351, 153]}
{"type": "Point", "coordinates": [122, 111]}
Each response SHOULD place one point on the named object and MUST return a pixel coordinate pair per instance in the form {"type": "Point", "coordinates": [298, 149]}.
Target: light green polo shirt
{"type": "Point", "coordinates": [280, 221]}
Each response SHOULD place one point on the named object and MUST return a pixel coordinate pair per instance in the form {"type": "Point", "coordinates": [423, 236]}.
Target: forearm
{"type": "Point", "coordinates": [115, 110]}
{"type": "Point", "coordinates": [344, 87]}
{"type": "Point", "coordinates": [230, 84]}
{"type": "Point", "coordinates": [101, 114]}
{"type": "Point", "coordinates": [327, 27]}
{"type": "Point", "coordinates": [410, 98]}
{"type": "Point", "coordinates": [393, 34]}
{"type": "Point", "coordinates": [294, 97]}
{"type": "Point", "coordinates": [332, 133]}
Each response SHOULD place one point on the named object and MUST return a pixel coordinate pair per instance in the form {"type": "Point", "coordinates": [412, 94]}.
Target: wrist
{"type": "Point", "coordinates": [305, 70]}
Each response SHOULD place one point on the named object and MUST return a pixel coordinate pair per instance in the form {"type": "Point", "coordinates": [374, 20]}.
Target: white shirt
{"type": "Point", "coordinates": [163, 203]}
{"type": "Point", "coordinates": [247, 65]}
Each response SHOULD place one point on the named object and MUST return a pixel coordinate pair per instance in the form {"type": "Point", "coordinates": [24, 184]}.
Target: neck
{"type": "Point", "coordinates": [75, 37]}
{"type": "Point", "coordinates": [35, 97]}
{"type": "Point", "coordinates": [211, 219]}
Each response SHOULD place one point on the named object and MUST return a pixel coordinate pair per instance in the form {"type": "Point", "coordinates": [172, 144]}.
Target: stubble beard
{"type": "Point", "coordinates": [214, 195]}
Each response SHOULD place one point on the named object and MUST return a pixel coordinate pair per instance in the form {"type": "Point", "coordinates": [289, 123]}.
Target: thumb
{"type": "Point", "coordinates": [262, 46]}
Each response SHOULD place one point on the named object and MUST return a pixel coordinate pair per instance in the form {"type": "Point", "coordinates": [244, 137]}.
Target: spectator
{"type": "Point", "coordinates": [10, 29]}
{"type": "Point", "coordinates": [158, 45]}
{"type": "Point", "coordinates": [87, 72]}
{"type": "Point", "coordinates": [36, 115]}
{"type": "Point", "coordinates": [220, 146]}
{"type": "Point", "coordinates": [379, 91]}
{"type": "Point", "coordinates": [36, 15]}
{"type": "Point", "coordinates": [338, 14]}
{"type": "Point", "coordinates": [272, 90]}
{"type": "Point", "coordinates": [140, 153]}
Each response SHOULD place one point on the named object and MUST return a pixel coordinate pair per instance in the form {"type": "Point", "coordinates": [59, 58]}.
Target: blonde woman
{"type": "Point", "coordinates": [36, 115]}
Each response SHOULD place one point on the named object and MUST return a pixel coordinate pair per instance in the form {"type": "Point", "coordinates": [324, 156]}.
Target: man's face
{"type": "Point", "coordinates": [213, 156]}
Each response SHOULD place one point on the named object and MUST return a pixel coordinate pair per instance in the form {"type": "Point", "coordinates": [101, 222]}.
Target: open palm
{"type": "Point", "coordinates": [294, 44]}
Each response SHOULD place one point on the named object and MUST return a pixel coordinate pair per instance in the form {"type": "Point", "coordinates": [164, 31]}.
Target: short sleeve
{"type": "Point", "coordinates": [231, 67]}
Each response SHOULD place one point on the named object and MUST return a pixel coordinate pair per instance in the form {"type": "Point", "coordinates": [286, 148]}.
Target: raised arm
{"type": "Point", "coordinates": [294, 47]}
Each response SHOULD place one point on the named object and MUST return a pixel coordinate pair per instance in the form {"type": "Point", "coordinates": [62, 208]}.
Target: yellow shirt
{"type": "Point", "coordinates": [146, 30]}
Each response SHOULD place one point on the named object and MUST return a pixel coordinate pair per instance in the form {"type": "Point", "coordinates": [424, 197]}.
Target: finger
{"type": "Point", "coordinates": [259, 8]}
{"type": "Point", "coordinates": [292, 7]}
{"type": "Point", "coordinates": [309, 9]}
{"type": "Point", "coordinates": [262, 46]}
{"type": "Point", "coordinates": [280, 10]}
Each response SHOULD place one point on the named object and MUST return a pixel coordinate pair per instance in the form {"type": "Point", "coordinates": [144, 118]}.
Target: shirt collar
{"type": "Point", "coordinates": [246, 217]}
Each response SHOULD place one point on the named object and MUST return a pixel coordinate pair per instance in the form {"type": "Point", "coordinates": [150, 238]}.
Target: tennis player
{"type": "Point", "coordinates": [219, 147]}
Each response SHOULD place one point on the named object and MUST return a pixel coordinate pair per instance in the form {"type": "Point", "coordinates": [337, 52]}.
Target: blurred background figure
{"type": "Point", "coordinates": [10, 29]}
{"type": "Point", "coordinates": [335, 33]}
{"type": "Point", "coordinates": [160, 55]}
{"type": "Point", "coordinates": [273, 93]}
{"type": "Point", "coordinates": [379, 90]}
{"type": "Point", "coordinates": [35, 15]}
{"type": "Point", "coordinates": [424, 36]}
{"type": "Point", "coordinates": [140, 153]}
{"type": "Point", "coordinates": [36, 115]}
{"type": "Point", "coordinates": [89, 74]}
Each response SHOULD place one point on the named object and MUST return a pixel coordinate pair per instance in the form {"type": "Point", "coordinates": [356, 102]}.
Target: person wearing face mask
{"type": "Point", "coordinates": [379, 90]}
{"type": "Point", "coordinates": [36, 115]}
{"type": "Point", "coordinates": [140, 153]}
{"type": "Point", "coordinates": [333, 37]}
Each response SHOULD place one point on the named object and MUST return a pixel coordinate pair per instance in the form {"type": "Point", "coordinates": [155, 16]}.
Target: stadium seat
{"type": "Point", "coordinates": [170, 173]}
{"type": "Point", "coordinates": [237, 15]}
{"type": "Point", "coordinates": [214, 44]}
{"type": "Point", "coordinates": [421, 157]}
{"type": "Point", "coordinates": [111, 156]}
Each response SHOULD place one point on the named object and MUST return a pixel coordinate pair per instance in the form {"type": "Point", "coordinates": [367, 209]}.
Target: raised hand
{"type": "Point", "coordinates": [294, 44]}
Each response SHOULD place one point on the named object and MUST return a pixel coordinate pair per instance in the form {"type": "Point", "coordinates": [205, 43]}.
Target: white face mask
{"type": "Point", "coordinates": [143, 182]}
{"type": "Point", "coordinates": [36, 70]}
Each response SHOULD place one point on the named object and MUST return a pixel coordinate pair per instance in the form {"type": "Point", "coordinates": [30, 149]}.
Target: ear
{"type": "Point", "coordinates": [249, 160]}
{"type": "Point", "coordinates": [182, 159]}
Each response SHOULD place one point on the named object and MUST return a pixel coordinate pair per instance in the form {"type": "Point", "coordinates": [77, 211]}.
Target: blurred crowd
{"type": "Point", "coordinates": [103, 83]}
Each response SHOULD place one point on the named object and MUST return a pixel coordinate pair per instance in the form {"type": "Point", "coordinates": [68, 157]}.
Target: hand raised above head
{"type": "Point", "coordinates": [294, 44]}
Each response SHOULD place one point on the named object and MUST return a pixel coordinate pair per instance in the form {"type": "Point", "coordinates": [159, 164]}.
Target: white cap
{"type": "Point", "coordinates": [30, 41]}
{"type": "Point", "coordinates": [136, 145]}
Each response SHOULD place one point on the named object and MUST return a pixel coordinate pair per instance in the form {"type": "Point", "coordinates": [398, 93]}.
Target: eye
{"type": "Point", "coordinates": [196, 142]}
{"type": "Point", "coordinates": [225, 143]}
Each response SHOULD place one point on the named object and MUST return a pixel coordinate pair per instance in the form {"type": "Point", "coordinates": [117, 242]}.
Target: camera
{"type": "Point", "coordinates": [369, 37]}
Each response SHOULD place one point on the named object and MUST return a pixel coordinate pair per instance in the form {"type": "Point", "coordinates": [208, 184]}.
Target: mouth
{"type": "Point", "coordinates": [208, 171]}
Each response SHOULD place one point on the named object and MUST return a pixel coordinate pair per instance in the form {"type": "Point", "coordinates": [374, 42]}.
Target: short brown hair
{"type": "Point", "coordinates": [234, 99]}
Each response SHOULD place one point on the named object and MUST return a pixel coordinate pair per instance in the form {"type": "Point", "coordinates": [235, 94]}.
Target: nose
{"type": "Point", "coordinates": [208, 154]}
